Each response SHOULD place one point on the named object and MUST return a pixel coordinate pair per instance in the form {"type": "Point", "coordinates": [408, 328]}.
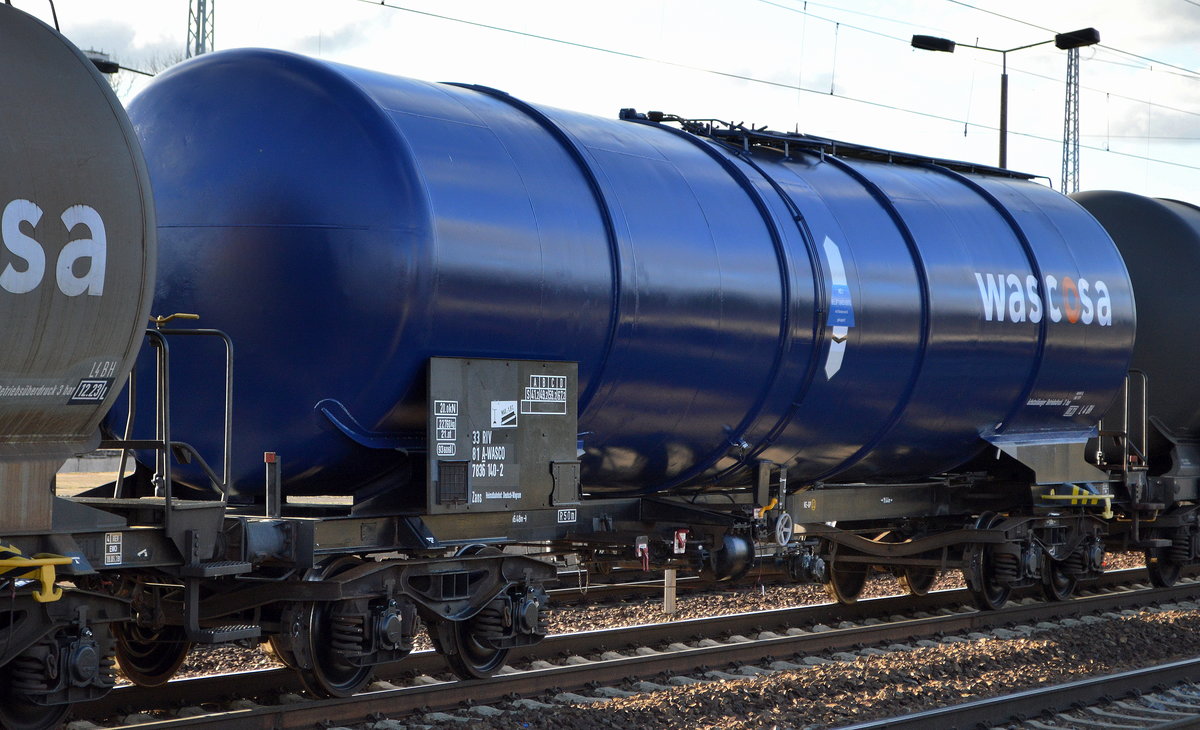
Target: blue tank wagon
{"type": "Point", "coordinates": [845, 319]}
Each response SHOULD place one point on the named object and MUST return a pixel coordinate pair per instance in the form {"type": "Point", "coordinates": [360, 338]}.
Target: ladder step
{"type": "Point", "coordinates": [222, 634]}
{"type": "Point", "coordinates": [215, 568]}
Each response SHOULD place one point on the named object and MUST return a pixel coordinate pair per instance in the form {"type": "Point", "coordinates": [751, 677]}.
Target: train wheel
{"type": "Point", "coordinates": [19, 712]}
{"type": "Point", "coordinates": [990, 594]}
{"type": "Point", "coordinates": [1057, 583]}
{"type": "Point", "coordinates": [328, 673]}
{"type": "Point", "coordinates": [1163, 572]}
{"type": "Point", "coordinates": [466, 655]}
{"type": "Point", "coordinates": [917, 580]}
{"type": "Point", "coordinates": [846, 581]}
{"type": "Point", "coordinates": [274, 648]}
{"type": "Point", "coordinates": [150, 657]}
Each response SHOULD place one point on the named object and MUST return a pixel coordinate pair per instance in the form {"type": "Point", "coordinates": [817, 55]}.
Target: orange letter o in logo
{"type": "Point", "coordinates": [1070, 297]}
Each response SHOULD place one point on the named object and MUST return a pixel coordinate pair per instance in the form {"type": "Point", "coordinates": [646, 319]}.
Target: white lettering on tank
{"type": "Point", "coordinates": [1064, 299]}
{"type": "Point", "coordinates": [1035, 301]}
{"type": "Point", "coordinates": [1085, 303]}
{"type": "Point", "coordinates": [1103, 305]}
{"type": "Point", "coordinates": [992, 295]}
{"type": "Point", "coordinates": [94, 248]}
{"type": "Point", "coordinates": [1016, 299]}
{"type": "Point", "coordinates": [26, 248]}
{"type": "Point", "coordinates": [22, 246]}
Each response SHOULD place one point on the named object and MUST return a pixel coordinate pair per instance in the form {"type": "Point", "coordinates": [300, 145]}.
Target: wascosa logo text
{"type": "Point", "coordinates": [1021, 300]}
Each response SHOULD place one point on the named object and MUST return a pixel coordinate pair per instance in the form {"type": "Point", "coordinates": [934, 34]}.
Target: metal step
{"type": "Point", "coordinates": [215, 568]}
{"type": "Point", "coordinates": [222, 634]}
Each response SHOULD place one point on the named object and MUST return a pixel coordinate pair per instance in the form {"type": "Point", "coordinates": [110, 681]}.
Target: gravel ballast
{"type": "Point", "coordinates": [875, 685]}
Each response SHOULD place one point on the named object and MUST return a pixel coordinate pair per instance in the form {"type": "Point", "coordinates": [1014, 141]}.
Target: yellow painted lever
{"type": "Point", "coordinates": [43, 572]}
{"type": "Point", "coordinates": [160, 321]}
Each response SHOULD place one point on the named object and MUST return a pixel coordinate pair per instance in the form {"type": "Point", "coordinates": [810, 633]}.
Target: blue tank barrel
{"type": "Point", "coordinates": [849, 318]}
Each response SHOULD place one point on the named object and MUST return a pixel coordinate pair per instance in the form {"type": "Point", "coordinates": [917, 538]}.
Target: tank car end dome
{"type": "Point", "coordinates": [78, 230]}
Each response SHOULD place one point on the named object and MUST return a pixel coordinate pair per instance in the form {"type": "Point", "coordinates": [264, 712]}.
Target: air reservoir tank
{"type": "Point", "coordinates": [849, 317]}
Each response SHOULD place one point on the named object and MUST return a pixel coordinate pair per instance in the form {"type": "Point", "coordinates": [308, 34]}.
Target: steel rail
{"type": "Point", "coordinates": [450, 695]}
{"type": "Point", "coordinates": [428, 662]}
{"type": "Point", "coordinates": [575, 586]}
{"type": "Point", "coordinates": [1018, 706]}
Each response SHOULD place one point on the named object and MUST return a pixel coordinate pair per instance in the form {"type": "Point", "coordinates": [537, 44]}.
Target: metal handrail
{"type": "Point", "coordinates": [1143, 418]}
{"type": "Point", "coordinates": [162, 443]}
{"type": "Point", "coordinates": [227, 441]}
{"type": "Point", "coordinates": [1132, 443]}
{"type": "Point", "coordinates": [131, 409]}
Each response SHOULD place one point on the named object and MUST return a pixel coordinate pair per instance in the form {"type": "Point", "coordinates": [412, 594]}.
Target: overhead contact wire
{"type": "Point", "coordinates": [764, 82]}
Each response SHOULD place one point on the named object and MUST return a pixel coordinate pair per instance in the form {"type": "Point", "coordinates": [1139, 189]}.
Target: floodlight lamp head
{"type": "Point", "coordinates": [1077, 39]}
{"type": "Point", "coordinates": [932, 43]}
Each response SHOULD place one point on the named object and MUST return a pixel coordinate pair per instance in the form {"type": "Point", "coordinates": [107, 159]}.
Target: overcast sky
{"type": "Point", "coordinates": [838, 68]}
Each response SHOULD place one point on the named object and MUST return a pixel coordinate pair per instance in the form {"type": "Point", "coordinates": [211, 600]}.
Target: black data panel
{"type": "Point", "coordinates": [502, 435]}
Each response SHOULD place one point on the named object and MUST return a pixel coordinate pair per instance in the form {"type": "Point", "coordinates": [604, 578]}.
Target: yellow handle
{"type": "Point", "coordinates": [160, 321]}
{"type": "Point", "coordinates": [758, 513]}
{"type": "Point", "coordinates": [43, 571]}
{"type": "Point", "coordinates": [1082, 498]}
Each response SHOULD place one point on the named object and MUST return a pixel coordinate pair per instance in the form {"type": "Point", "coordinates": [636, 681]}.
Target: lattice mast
{"type": "Point", "coordinates": [1070, 164]}
{"type": "Point", "coordinates": [201, 27]}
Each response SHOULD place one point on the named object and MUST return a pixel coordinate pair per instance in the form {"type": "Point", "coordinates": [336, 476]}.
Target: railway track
{"type": "Point", "coordinates": [573, 587]}
{"type": "Point", "coordinates": [756, 643]}
{"type": "Point", "coordinates": [1131, 699]}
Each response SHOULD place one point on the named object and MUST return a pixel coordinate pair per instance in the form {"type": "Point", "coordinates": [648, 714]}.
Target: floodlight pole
{"type": "Point", "coordinates": [1004, 109]}
{"type": "Point", "coordinates": [1074, 39]}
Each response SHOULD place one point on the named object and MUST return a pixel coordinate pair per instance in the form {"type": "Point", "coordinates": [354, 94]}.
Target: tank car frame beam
{"type": "Point", "coordinates": [830, 503]}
